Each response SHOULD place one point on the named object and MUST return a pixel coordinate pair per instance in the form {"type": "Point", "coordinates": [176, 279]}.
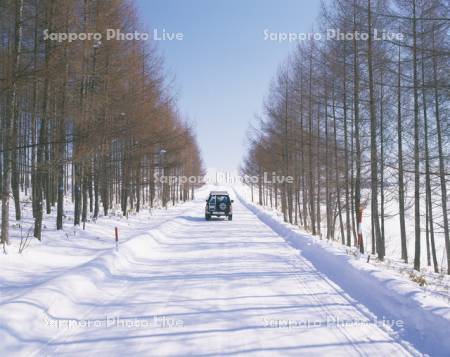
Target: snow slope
{"type": "Point", "coordinates": [178, 285]}
{"type": "Point", "coordinates": [386, 295]}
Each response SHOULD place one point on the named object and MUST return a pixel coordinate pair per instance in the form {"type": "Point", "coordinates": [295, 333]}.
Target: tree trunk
{"type": "Point", "coordinates": [373, 142]}
{"type": "Point", "coordinates": [416, 148]}
{"type": "Point", "coordinates": [401, 185]}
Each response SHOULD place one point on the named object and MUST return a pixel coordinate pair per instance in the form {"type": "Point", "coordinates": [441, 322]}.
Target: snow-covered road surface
{"type": "Point", "coordinates": [192, 287]}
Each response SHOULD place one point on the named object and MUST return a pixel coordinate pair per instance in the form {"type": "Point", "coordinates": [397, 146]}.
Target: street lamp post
{"type": "Point", "coordinates": [161, 175]}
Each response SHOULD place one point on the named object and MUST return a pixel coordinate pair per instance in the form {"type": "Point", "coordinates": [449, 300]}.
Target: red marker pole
{"type": "Point", "coordinates": [116, 231]}
{"type": "Point", "coordinates": [360, 236]}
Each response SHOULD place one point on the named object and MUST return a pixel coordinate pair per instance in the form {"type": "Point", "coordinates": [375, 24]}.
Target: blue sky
{"type": "Point", "coordinates": [223, 66]}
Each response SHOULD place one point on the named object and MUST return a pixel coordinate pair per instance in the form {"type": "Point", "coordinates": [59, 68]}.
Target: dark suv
{"type": "Point", "coordinates": [218, 204]}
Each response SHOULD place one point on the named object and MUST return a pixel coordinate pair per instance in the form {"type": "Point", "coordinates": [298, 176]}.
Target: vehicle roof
{"type": "Point", "coordinates": [218, 193]}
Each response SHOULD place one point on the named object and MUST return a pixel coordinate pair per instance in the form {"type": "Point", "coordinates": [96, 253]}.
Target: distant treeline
{"type": "Point", "coordinates": [363, 123]}
{"type": "Point", "coordinates": [90, 119]}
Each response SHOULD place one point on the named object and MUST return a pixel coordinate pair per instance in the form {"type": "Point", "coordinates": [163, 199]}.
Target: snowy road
{"type": "Point", "coordinates": [199, 288]}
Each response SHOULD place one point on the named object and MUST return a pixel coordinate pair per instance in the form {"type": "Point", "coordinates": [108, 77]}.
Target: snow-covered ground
{"type": "Point", "coordinates": [438, 284]}
{"type": "Point", "coordinates": [179, 285]}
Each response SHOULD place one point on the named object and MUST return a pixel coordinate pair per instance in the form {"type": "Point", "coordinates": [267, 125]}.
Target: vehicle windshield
{"type": "Point", "coordinates": [220, 199]}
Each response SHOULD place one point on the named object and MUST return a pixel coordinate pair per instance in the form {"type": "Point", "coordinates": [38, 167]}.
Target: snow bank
{"type": "Point", "coordinates": [426, 320]}
{"type": "Point", "coordinates": [51, 282]}
{"type": "Point", "coordinates": [31, 317]}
